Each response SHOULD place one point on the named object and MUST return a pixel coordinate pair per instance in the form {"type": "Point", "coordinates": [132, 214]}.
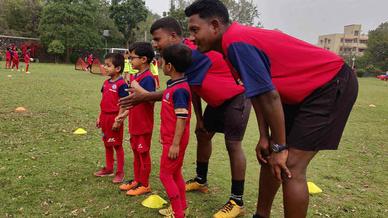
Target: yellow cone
{"type": "Point", "coordinates": [154, 201]}
{"type": "Point", "coordinates": [20, 109]}
{"type": "Point", "coordinates": [313, 189]}
{"type": "Point", "coordinates": [80, 131]}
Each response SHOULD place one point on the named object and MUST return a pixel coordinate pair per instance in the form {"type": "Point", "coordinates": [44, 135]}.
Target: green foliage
{"type": "Point", "coordinates": [45, 170]}
{"type": "Point", "coordinates": [143, 32]}
{"type": "Point", "coordinates": [72, 22]}
{"type": "Point", "coordinates": [20, 17]}
{"type": "Point", "coordinates": [105, 22]}
{"type": "Point", "coordinates": [377, 51]}
{"type": "Point", "coordinates": [56, 47]}
{"type": "Point", "coordinates": [127, 14]}
{"type": "Point", "coordinates": [243, 11]}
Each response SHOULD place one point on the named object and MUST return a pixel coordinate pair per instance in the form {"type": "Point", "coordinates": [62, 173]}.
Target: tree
{"type": "Point", "coordinates": [377, 51]}
{"type": "Point", "coordinates": [73, 22]}
{"type": "Point", "coordinates": [56, 48]}
{"type": "Point", "coordinates": [20, 17]}
{"type": "Point", "coordinates": [127, 14]}
{"type": "Point", "coordinates": [144, 27]}
{"type": "Point", "coordinates": [105, 22]}
{"type": "Point", "coordinates": [242, 11]}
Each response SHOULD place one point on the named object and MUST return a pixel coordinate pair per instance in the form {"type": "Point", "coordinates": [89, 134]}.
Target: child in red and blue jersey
{"type": "Point", "coordinates": [27, 60]}
{"type": "Point", "coordinates": [8, 58]}
{"type": "Point", "coordinates": [175, 127]}
{"type": "Point", "coordinates": [15, 59]}
{"type": "Point", "coordinates": [112, 116]}
{"type": "Point", "coordinates": [141, 120]}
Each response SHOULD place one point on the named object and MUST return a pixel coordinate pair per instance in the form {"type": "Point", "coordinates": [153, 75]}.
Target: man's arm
{"type": "Point", "coordinates": [262, 148]}
{"type": "Point", "coordinates": [138, 95]}
{"type": "Point", "coordinates": [270, 106]}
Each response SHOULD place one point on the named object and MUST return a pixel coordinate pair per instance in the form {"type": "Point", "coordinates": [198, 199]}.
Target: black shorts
{"type": "Point", "coordinates": [318, 122]}
{"type": "Point", "coordinates": [230, 118]}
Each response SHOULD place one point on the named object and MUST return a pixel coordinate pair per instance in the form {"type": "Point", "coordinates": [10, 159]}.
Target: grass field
{"type": "Point", "coordinates": [46, 170]}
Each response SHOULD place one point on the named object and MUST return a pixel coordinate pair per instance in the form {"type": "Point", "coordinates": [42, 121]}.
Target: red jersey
{"type": "Point", "coordinates": [265, 59]}
{"type": "Point", "coordinates": [7, 55]}
{"type": "Point", "coordinates": [26, 58]}
{"type": "Point", "coordinates": [111, 93]}
{"type": "Point", "coordinates": [141, 116]}
{"type": "Point", "coordinates": [177, 95]}
{"type": "Point", "coordinates": [15, 56]}
{"type": "Point", "coordinates": [209, 77]}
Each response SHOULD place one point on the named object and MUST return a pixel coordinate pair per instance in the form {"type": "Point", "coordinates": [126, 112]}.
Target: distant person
{"type": "Point", "coordinates": [15, 60]}
{"type": "Point", "coordinates": [175, 127]}
{"type": "Point", "coordinates": [302, 96]}
{"type": "Point", "coordinates": [141, 121]}
{"type": "Point", "coordinates": [155, 72]}
{"type": "Point", "coordinates": [90, 61]}
{"type": "Point", "coordinates": [27, 60]}
{"type": "Point", "coordinates": [8, 58]}
{"type": "Point", "coordinates": [111, 117]}
{"type": "Point", "coordinates": [128, 70]}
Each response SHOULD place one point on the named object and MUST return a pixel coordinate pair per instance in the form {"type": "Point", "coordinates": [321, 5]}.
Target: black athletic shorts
{"type": "Point", "coordinates": [230, 118]}
{"type": "Point", "coordinates": [318, 122]}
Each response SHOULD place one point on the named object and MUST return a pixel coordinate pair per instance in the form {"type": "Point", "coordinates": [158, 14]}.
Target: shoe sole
{"type": "Point", "coordinates": [202, 190]}
{"type": "Point", "coordinates": [138, 194]}
{"type": "Point", "coordinates": [107, 175]}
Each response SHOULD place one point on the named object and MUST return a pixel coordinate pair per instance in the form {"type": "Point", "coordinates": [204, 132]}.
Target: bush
{"type": "Point", "coordinates": [74, 56]}
{"type": "Point", "coordinates": [361, 72]}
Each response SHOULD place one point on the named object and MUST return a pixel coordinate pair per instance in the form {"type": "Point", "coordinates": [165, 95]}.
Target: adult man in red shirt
{"type": "Point", "coordinates": [302, 93]}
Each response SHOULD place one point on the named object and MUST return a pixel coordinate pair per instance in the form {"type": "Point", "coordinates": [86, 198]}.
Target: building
{"type": "Point", "coordinates": [350, 43]}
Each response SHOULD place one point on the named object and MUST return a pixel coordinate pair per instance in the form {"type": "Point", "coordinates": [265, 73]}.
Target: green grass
{"type": "Point", "coordinates": [46, 170]}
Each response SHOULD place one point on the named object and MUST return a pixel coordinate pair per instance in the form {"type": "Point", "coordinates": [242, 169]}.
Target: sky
{"type": "Point", "coordinates": [307, 19]}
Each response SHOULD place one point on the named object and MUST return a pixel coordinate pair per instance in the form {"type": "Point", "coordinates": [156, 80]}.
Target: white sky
{"type": "Point", "coordinates": [307, 19]}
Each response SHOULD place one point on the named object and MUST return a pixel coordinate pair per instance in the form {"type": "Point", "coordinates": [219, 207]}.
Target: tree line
{"type": "Point", "coordinates": [64, 26]}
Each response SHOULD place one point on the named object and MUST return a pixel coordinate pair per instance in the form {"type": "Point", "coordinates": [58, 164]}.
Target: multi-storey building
{"type": "Point", "coordinates": [350, 43]}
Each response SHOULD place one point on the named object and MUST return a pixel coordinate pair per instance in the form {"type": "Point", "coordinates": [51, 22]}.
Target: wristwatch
{"type": "Point", "coordinates": [278, 148]}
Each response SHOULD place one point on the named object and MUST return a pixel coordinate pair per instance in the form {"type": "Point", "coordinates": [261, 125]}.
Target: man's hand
{"type": "Point", "coordinates": [116, 126]}
{"type": "Point", "coordinates": [136, 96]}
{"type": "Point", "coordinates": [173, 152]}
{"type": "Point", "coordinates": [278, 164]}
{"type": "Point", "coordinates": [98, 123]}
{"type": "Point", "coordinates": [262, 150]}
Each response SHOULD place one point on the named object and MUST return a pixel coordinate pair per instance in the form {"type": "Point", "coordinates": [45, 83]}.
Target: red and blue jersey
{"type": "Point", "coordinates": [209, 77]}
{"type": "Point", "coordinates": [8, 55]}
{"type": "Point", "coordinates": [112, 91]}
{"type": "Point", "coordinates": [176, 103]}
{"type": "Point", "coordinates": [269, 59]}
{"type": "Point", "coordinates": [141, 116]}
{"type": "Point", "coordinates": [26, 58]}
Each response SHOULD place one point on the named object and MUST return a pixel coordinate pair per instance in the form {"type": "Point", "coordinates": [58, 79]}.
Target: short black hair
{"type": "Point", "coordinates": [178, 55]}
{"type": "Point", "coordinates": [143, 49]}
{"type": "Point", "coordinates": [117, 60]}
{"type": "Point", "coordinates": [167, 23]}
{"type": "Point", "coordinates": [208, 9]}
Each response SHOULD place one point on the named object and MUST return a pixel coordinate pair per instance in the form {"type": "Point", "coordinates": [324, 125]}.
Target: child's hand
{"type": "Point", "coordinates": [98, 123]}
{"type": "Point", "coordinates": [173, 152]}
{"type": "Point", "coordinates": [116, 126]}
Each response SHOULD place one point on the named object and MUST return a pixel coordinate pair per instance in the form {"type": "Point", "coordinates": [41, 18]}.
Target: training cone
{"type": "Point", "coordinates": [20, 109]}
{"type": "Point", "coordinates": [80, 131]}
{"type": "Point", "coordinates": [313, 189]}
{"type": "Point", "coordinates": [154, 201]}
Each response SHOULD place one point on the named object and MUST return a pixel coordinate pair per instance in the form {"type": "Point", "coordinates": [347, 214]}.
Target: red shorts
{"type": "Point", "coordinates": [168, 165]}
{"type": "Point", "coordinates": [110, 137]}
{"type": "Point", "coordinates": [141, 143]}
